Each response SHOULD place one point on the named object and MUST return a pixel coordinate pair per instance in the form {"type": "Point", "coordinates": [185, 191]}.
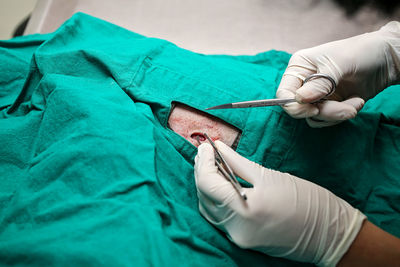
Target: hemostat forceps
{"type": "Point", "coordinates": [226, 170]}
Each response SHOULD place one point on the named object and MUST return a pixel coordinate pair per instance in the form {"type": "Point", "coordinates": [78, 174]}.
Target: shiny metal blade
{"type": "Point", "coordinates": [220, 106]}
{"type": "Point", "coordinates": [263, 103]}
{"type": "Point", "coordinates": [255, 103]}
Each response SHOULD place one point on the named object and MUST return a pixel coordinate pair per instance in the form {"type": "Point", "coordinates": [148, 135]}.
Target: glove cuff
{"type": "Point", "coordinates": [340, 248]}
{"type": "Point", "coordinates": [391, 34]}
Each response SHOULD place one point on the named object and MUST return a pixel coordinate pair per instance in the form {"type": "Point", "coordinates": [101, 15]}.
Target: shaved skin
{"type": "Point", "coordinates": [191, 124]}
{"type": "Point", "coordinates": [372, 247]}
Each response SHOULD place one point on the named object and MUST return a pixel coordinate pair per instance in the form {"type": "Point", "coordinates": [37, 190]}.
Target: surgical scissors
{"type": "Point", "coordinates": [225, 169]}
{"type": "Point", "coordinates": [277, 101]}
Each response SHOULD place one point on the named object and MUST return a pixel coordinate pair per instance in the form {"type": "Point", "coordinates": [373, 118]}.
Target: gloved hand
{"type": "Point", "coordinates": [361, 66]}
{"type": "Point", "coordinates": [283, 216]}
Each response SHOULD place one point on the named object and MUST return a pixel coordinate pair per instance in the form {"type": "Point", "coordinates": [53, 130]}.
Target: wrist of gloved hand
{"type": "Point", "coordinates": [283, 216]}
{"type": "Point", "coordinates": [391, 34]}
{"type": "Point", "coordinates": [361, 66]}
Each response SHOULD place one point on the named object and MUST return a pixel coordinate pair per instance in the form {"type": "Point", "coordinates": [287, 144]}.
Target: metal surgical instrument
{"type": "Point", "coordinates": [225, 169]}
{"type": "Point", "coordinates": [276, 101]}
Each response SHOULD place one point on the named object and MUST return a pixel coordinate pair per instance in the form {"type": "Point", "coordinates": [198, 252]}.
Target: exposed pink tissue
{"type": "Point", "coordinates": [191, 124]}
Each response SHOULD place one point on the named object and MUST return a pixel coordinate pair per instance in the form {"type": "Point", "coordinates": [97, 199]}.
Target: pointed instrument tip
{"type": "Point", "coordinates": [220, 107]}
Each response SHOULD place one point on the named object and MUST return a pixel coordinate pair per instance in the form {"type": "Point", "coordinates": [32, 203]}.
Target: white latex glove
{"type": "Point", "coordinates": [362, 66]}
{"type": "Point", "coordinates": [284, 216]}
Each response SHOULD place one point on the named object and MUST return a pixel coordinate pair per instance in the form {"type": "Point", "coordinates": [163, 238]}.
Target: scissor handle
{"type": "Point", "coordinates": [326, 76]}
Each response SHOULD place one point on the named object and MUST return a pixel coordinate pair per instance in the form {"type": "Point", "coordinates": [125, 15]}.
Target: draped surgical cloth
{"type": "Point", "coordinates": [90, 174]}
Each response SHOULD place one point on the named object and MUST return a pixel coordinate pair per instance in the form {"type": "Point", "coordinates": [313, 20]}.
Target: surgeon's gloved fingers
{"type": "Point", "coordinates": [289, 83]}
{"type": "Point", "coordinates": [287, 89]}
{"type": "Point", "coordinates": [213, 212]}
{"type": "Point", "coordinates": [334, 112]}
{"type": "Point", "coordinates": [330, 110]}
{"type": "Point", "coordinates": [244, 168]}
{"type": "Point", "coordinates": [301, 111]}
{"type": "Point", "coordinates": [208, 180]}
{"type": "Point", "coordinates": [314, 90]}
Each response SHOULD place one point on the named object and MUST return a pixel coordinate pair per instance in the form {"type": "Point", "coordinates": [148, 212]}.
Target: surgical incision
{"type": "Point", "coordinates": [191, 124]}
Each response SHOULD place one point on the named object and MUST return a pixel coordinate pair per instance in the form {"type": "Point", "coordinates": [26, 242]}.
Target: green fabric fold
{"type": "Point", "coordinates": [91, 174]}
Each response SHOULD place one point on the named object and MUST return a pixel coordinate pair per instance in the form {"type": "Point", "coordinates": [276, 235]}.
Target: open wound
{"type": "Point", "coordinates": [191, 124]}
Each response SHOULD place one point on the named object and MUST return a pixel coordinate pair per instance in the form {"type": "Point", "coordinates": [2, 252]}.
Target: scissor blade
{"type": "Point", "coordinates": [221, 106]}
{"type": "Point", "coordinates": [255, 103]}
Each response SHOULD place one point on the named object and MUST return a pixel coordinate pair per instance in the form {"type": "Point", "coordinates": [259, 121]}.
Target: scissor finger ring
{"type": "Point", "coordinates": [326, 76]}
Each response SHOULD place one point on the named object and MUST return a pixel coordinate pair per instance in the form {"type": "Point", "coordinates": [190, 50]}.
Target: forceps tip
{"type": "Point", "coordinates": [227, 173]}
{"type": "Point", "coordinates": [198, 139]}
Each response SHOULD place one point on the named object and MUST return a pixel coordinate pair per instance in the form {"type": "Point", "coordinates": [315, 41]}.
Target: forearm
{"type": "Point", "coordinates": [372, 247]}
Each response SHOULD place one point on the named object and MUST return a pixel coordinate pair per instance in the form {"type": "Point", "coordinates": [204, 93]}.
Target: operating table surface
{"type": "Point", "coordinates": [223, 26]}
